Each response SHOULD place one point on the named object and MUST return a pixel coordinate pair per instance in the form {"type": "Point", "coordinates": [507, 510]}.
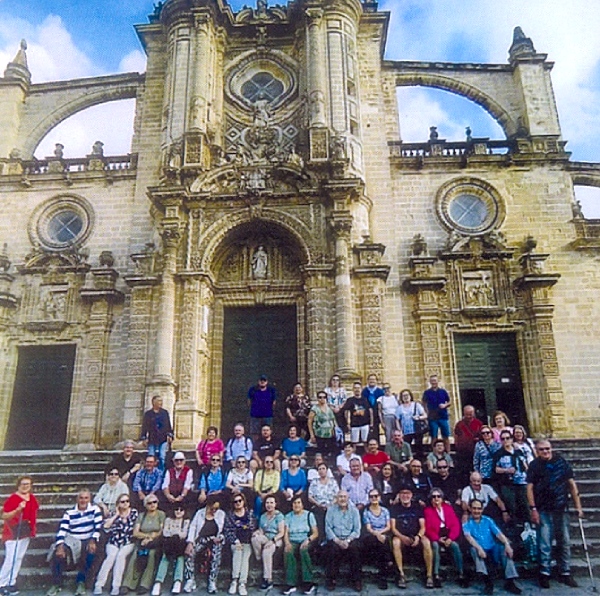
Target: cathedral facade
{"type": "Point", "coordinates": [269, 220]}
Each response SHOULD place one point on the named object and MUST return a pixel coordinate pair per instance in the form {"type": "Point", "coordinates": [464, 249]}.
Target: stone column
{"type": "Point", "coordinates": [547, 416]}
{"type": "Point", "coordinates": [341, 223]}
{"type": "Point", "coordinates": [87, 432]}
{"type": "Point", "coordinates": [200, 91]}
{"type": "Point", "coordinates": [319, 360]}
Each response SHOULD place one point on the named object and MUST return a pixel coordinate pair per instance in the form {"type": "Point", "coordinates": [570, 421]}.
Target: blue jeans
{"type": "Point", "coordinates": [160, 451]}
{"type": "Point", "coordinates": [456, 556]}
{"type": "Point", "coordinates": [554, 524]}
{"type": "Point", "coordinates": [442, 425]}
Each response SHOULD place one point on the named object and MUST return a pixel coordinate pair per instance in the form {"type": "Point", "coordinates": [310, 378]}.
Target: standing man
{"type": "Point", "coordinates": [359, 415]}
{"type": "Point", "coordinates": [157, 431]}
{"type": "Point", "coordinates": [342, 530]}
{"type": "Point", "coordinates": [78, 533]}
{"type": "Point", "coordinates": [549, 483]}
{"type": "Point", "coordinates": [261, 400]}
{"type": "Point", "coordinates": [466, 434]}
{"type": "Point", "coordinates": [372, 392]}
{"type": "Point", "coordinates": [437, 401]}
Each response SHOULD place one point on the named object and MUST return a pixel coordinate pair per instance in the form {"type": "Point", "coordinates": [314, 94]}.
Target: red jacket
{"type": "Point", "coordinates": [466, 435]}
{"type": "Point", "coordinates": [9, 531]}
{"type": "Point", "coordinates": [433, 523]}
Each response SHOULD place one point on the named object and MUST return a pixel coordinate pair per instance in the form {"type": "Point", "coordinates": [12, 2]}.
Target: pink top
{"type": "Point", "coordinates": [433, 522]}
{"type": "Point", "coordinates": [206, 449]}
{"type": "Point", "coordinates": [496, 432]}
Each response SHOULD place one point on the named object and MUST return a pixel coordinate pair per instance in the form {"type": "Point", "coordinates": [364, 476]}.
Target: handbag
{"type": "Point", "coordinates": [421, 426]}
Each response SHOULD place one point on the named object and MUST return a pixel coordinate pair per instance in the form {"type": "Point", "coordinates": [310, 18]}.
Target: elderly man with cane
{"type": "Point", "coordinates": [549, 483]}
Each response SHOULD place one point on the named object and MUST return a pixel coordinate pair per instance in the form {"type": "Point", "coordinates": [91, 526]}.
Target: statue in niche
{"type": "Point", "coordinates": [260, 262]}
{"type": "Point", "coordinates": [262, 112]}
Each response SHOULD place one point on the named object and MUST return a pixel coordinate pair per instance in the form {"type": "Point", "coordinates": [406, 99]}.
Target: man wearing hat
{"type": "Point", "coordinates": [178, 481]}
{"type": "Point", "coordinates": [261, 399]}
{"type": "Point", "coordinates": [408, 532]}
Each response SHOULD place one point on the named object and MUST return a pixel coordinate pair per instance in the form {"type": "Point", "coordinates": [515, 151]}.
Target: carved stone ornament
{"type": "Point", "coordinates": [478, 289]}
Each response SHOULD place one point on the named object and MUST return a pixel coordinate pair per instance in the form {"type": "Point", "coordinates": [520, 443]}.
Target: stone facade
{"type": "Point", "coordinates": [274, 131]}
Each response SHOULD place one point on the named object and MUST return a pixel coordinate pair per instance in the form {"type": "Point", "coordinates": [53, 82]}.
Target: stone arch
{"type": "Point", "coordinates": [470, 92]}
{"type": "Point", "coordinates": [586, 179]}
{"type": "Point", "coordinates": [218, 233]}
{"type": "Point", "coordinates": [62, 108]}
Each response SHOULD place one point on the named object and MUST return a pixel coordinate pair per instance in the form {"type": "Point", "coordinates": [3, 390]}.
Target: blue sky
{"type": "Point", "coordinates": [75, 38]}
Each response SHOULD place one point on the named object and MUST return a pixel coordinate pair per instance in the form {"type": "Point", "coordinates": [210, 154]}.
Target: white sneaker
{"type": "Point", "coordinates": [176, 587]}
{"type": "Point", "coordinates": [156, 589]}
{"type": "Point", "coordinates": [97, 590]}
{"type": "Point", "coordinates": [190, 586]}
{"type": "Point", "coordinates": [242, 589]}
{"type": "Point", "coordinates": [212, 587]}
{"type": "Point", "coordinates": [233, 586]}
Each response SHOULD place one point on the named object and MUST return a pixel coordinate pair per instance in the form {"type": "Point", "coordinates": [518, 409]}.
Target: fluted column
{"type": "Point", "coordinates": [341, 223]}
{"type": "Point", "coordinates": [316, 78]}
{"type": "Point", "coordinates": [201, 92]}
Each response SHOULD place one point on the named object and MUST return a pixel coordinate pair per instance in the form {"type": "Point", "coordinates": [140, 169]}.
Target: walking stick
{"type": "Point", "coordinates": [587, 556]}
{"type": "Point", "coordinates": [12, 567]}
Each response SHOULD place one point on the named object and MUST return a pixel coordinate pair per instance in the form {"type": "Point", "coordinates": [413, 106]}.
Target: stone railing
{"type": "Point", "coordinates": [93, 163]}
{"type": "Point", "coordinates": [442, 148]}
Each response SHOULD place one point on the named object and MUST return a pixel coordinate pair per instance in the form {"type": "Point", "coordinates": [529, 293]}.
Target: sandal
{"type": "Point", "coordinates": [429, 583]}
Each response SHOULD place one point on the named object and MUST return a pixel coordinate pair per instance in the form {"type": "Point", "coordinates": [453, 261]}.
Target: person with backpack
{"type": "Point", "coordinates": [239, 444]}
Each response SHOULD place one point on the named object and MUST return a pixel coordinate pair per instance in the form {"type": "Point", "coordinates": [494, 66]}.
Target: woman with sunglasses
{"type": "Point", "coordinates": [119, 546]}
{"type": "Point", "coordinates": [293, 481]}
{"type": "Point", "coordinates": [106, 497]}
{"type": "Point", "coordinates": [212, 480]}
{"type": "Point", "coordinates": [174, 536]}
{"type": "Point", "coordinates": [205, 541]}
{"type": "Point", "coordinates": [268, 538]}
{"type": "Point", "coordinates": [147, 532]}
{"type": "Point", "coordinates": [210, 446]}
{"type": "Point", "coordinates": [483, 456]}
{"type": "Point", "coordinates": [240, 524]}
{"type": "Point", "coordinates": [266, 482]}
{"type": "Point", "coordinates": [240, 479]}
{"type": "Point", "coordinates": [376, 540]}
{"type": "Point", "coordinates": [322, 424]}
{"type": "Point", "coordinates": [336, 398]}
{"type": "Point", "coordinates": [293, 444]}
{"type": "Point", "coordinates": [442, 527]}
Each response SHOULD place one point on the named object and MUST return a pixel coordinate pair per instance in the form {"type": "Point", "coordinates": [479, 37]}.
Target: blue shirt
{"type": "Point", "coordinates": [147, 482]}
{"type": "Point", "coordinates": [432, 398]}
{"type": "Point", "coordinates": [295, 482]}
{"type": "Point", "coordinates": [297, 447]}
{"type": "Point", "coordinates": [212, 481]}
{"type": "Point", "coordinates": [261, 402]}
{"type": "Point", "coordinates": [484, 532]}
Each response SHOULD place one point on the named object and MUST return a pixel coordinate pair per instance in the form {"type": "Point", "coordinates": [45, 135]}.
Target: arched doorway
{"type": "Point", "coordinates": [258, 318]}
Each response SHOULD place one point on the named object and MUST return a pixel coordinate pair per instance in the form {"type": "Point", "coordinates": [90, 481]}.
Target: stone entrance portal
{"type": "Point", "coordinates": [41, 398]}
{"type": "Point", "coordinates": [257, 340]}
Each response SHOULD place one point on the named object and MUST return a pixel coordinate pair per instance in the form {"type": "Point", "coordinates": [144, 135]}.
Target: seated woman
{"type": "Point", "coordinates": [205, 540]}
{"type": "Point", "coordinates": [387, 484]}
{"type": "Point", "coordinates": [147, 532]}
{"type": "Point", "coordinates": [240, 524]}
{"type": "Point", "coordinates": [212, 481]}
{"type": "Point", "coordinates": [266, 482]}
{"type": "Point", "coordinates": [376, 539]}
{"type": "Point", "coordinates": [210, 446]}
{"type": "Point", "coordinates": [312, 473]}
{"type": "Point", "coordinates": [293, 444]}
{"type": "Point", "coordinates": [268, 538]}
{"type": "Point", "coordinates": [106, 497]}
{"type": "Point", "coordinates": [442, 528]}
{"type": "Point", "coordinates": [175, 532]}
{"type": "Point", "coordinates": [300, 531]}
{"type": "Point", "coordinates": [119, 545]}
{"type": "Point", "coordinates": [240, 479]}
{"type": "Point", "coordinates": [438, 453]}
{"type": "Point", "coordinates": [321, 495]}
{"type": "Point", "coordinates": [345, 457]}
{"type": "Point", "coordinates": [293, 482]}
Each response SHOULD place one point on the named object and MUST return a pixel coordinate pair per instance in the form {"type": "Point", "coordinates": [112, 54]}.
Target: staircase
{"type": "Point", "coordinates": [59, 475]}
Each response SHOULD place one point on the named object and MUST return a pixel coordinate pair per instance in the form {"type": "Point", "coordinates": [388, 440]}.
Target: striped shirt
{"type": "Point", "coordinates": [81, 525]}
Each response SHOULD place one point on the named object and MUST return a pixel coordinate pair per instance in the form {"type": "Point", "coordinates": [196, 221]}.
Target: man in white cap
{"type": "Point", "coordinates": [178, 481]}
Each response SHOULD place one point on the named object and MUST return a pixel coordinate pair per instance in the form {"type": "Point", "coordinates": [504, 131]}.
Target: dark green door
{"type": "Point", "coordinates": [41, 397]}
{"type": "Point", "coordinates": [489, 376]}
{"type": "Point", "coordinates": [256, 341]}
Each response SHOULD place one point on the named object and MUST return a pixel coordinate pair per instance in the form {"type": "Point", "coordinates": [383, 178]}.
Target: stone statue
{"type": "Point", "coordinates": [262, 112]}
{"type": "Point", "coordinates": [468, 134]}
{"type": "Point", "coordinates": [98, 149]}
{"type": "Point", "coordinates": [433, 133]}
{"type": "Point", "coordinates": [259, 263]}
{"type": "Point", "coordinates": [59, 150]}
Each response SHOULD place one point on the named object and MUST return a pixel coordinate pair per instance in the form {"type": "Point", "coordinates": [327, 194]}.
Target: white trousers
{"type": "Point", "coordinates": [10, 557]}
{"type": "Point", "coordinates": [115, 557]}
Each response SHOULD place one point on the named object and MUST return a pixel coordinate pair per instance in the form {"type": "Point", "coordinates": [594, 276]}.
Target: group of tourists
{"type": "Point", "coordinates": [328, 490]}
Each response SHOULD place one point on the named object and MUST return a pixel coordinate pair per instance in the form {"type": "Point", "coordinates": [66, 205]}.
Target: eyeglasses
{"type": "Point", "coordinates": [506, 438]}
{"type": "Point", "coordinates": [373, 496]}
{"type": "Point", "coordinates": [321, 397]}
{"type": "Point", "coordinates": [486, 432]}
{"type": "Point", "coordinates": [442, 467]}
{"type": "Point", "coordinates": [123, 501]}
{"type": "Point", "coordinates": [113, 473]}
{"type": "Point", "coordinates": [269, 461]}
{"type": "Point", "coordinates": [241, 461]}
{"type": "Point", "coordinates": [544, 448]}
{"type": "Point", "coordinates": [238, 500]}
{"type": "Point", "coordinates": [217, 459]}
{"type": "Point", "coordinates": [436, 496]}
{"type": "Point", "coordinates": [151, 502]}
{"type": "Point", "coordinates": [294, 459]}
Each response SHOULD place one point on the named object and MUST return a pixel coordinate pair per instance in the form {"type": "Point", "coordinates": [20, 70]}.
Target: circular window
{"type": "Point", "coordinates": [469, 206]}
{"type": "Point", "coordinates": [61, 222]}
{"type": "Point", "coordinates": [263, 85]}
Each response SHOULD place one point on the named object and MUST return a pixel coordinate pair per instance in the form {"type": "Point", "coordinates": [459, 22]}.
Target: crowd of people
{"type": "Point", "coordinates": [349, 483]}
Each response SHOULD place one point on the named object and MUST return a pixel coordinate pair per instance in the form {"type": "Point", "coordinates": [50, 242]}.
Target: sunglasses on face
{"type": "Point", "coordinates": [238, 500]}
{"type": "Point", "coordinates": [123, 501]}
{"type": "Point", "coordinates": [436, 496]}
{"type": "Point", "coordinates": [152, 503]}
{"type": "Point", "coordinates": [373, 496]}
{"type": "Point", "coordinates": [113, 473]}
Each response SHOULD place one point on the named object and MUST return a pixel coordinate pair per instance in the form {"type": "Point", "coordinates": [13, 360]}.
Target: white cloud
{"type": "Point", "coordinates": [589, 197]}
{"type": "Point", "coordinates": [135, 61]}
